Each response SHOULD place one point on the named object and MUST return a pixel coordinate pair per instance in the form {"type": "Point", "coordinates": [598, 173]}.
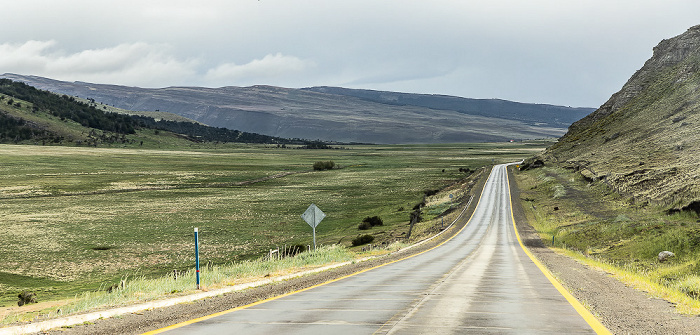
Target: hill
{"type": "Point", "coordinates": [335, 114]}
{"type": "Point", "coordinates": [644, 141]}
{"type": "Point", "coordinates": [541, 114]}
{"type": "Point", "coordinates": [30, 115]}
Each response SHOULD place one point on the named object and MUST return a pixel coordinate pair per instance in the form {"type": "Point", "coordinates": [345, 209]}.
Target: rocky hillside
{"type": "Point", "coordinates": [645, 141]}
{"type": "Point", "coordinates": [335, 114]}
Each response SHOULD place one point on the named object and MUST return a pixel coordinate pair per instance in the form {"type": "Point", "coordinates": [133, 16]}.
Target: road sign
{"type": "Point", "coordinates": [313, 217]}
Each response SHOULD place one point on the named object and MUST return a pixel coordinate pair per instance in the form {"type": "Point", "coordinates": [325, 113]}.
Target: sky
{"type": "Point", "coordinates": [562, 52]}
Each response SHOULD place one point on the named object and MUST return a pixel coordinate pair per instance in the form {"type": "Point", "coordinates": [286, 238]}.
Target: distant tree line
{"type": "Point", "coordinates": [65, 107]}
{"type": "Point", "coordinates": [199, 132]}
{"type": "Point", "coordinates": [12, 129]}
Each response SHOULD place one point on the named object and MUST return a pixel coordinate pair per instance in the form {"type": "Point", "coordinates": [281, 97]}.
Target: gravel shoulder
{"type": "Point", "coordinates": [622, 309]}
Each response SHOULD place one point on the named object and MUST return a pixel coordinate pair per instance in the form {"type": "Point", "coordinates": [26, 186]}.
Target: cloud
{"type": "Point", "coordinates": [129, 63]}
{"type": "Point", "coordinates": [275, 67]}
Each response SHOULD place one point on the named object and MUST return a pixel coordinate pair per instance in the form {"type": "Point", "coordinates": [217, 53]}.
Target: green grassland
{"type": "Point", "coordinates": [75, 219]}
{"type": "Point", "coordinates": [594, 221]}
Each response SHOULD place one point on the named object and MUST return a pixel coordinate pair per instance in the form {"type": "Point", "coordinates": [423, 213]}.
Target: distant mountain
{"type": "Point", "coordinates": [645, 140]}
{"type": "Point", "coordinates": [335, 114]}
{"type": "Point", "coordinates": [550, 115]}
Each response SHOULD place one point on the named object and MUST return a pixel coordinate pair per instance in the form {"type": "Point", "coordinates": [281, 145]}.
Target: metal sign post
{"type": "Point", "coordinates": [313, 217]}
{"type": "Point", "coordinates": [196, 253]}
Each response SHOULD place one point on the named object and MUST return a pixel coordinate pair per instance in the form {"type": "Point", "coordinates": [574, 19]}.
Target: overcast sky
{"type": "Point", "coordinates": [573, 53]}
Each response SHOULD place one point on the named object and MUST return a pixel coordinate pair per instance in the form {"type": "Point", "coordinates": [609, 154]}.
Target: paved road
{"type": "Point", "coordinates": [481, 281]}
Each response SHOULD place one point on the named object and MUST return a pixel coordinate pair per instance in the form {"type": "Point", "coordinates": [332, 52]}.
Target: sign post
{"type": "Point", "coordinates": [196, 253]}
{"type": "Point", "coordinates": [313, 217]}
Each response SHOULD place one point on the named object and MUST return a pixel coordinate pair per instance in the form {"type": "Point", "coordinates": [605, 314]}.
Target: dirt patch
{"type": "Point", "coordinates": [623, 310]}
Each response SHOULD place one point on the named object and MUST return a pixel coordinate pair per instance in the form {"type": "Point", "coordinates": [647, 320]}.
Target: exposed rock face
{"type": "Point", "coordinates": [645, 140]}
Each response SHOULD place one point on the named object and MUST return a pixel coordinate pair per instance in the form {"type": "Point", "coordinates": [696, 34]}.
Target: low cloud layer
{"type": "Point", "coordinates": [127, 64]}
{"type": "Point", "coordinates": [268, 67]}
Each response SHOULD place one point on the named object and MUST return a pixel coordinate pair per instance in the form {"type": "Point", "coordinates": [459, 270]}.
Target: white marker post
{"type": "Point", "coordinates": [313, 217]}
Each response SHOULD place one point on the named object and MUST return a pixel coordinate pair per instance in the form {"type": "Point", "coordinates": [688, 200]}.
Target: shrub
{"type": "Point", "coordinates": [418, 206]}
{"type": "Point", "coordinates": [373, 221]}
{"type": "Point", "coordinates": [362, 239]}
{"type": "Point", "coordinates": [296, 249]}
{"type": "Point", "coordinates": [431, 193]}
{"type": "Point", "coordinates": [465, 170]}
{"type": "Point", "coordinates": [324, 165]}
{"type": "Point", "coordinates": [364, 226]}
{"type": "Point", "coordinates": [26, 298]}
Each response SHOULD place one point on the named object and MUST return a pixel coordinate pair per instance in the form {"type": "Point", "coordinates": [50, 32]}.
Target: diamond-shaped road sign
{"type": "Point", "coordinates": [313, 216]}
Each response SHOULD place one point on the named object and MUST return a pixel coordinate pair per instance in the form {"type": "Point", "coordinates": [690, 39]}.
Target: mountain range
{"type": "Point", "coordinates": [334, 113]}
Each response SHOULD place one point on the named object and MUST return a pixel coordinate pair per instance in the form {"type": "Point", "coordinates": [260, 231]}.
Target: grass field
{"type": "Point", "coordinates": [76, 219]}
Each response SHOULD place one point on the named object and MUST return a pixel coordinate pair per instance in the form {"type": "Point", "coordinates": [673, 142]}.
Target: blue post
{"type": "Point", "coordinates": [196, 253]}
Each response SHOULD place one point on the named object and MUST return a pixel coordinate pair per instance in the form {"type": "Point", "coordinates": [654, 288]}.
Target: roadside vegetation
{"type": "Point", "coordinates": [597, 226]}
{"type": "Point", "coordinates": [81, 219]}
{"type": "Point", "coordinates": [137, 289]}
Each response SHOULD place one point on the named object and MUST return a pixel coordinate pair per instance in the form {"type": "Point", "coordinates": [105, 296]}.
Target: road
{"type": "Point", "coordinates": [480, 281]}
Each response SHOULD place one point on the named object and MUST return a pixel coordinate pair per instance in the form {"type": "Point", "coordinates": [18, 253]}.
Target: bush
{"type": "Point", "coordinates": [431, 193]}
{"type": "Point", "coordinates": [364, 226]}
{"type": "Point", "coordinates": [362, 239]}
{"type": "Point", "coordinates": [324, 165]}
{"type": "Point", "coordinates": [465, 170]}
{"type": "Point", "coordinates": [373, 221]}
{"type": "Point", "coordinates": [296, 249]}
{"type": "Point", "coordinates": [26, 298]}
{"type": "Point", "coordinates": [370, 222]}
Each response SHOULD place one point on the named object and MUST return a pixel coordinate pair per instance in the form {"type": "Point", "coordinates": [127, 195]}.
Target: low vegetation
{"type": "Point", "coordinates": [570, 213]}
{"type": "Point", "coordinates": [370, 222]}
{"type": "Point", "coordinates": [362, 239]}
{"type": "Point", "coordinates": [324, 165]}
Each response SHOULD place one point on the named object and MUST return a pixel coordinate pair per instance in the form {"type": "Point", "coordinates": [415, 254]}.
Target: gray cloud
{"type": "Point", "coordinates": [545, 51]}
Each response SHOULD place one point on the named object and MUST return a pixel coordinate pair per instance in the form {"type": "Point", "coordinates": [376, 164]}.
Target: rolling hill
{"type": "Point", "coordinates": [30, 115]}
{"type": "Point", "coordinates": [335, 114]}
{"type": "Point", "coordinates": [644, 142]}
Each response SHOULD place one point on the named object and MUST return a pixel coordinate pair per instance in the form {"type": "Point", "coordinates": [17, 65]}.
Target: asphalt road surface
{"type": "Point", "coordinates": [480, 281]}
